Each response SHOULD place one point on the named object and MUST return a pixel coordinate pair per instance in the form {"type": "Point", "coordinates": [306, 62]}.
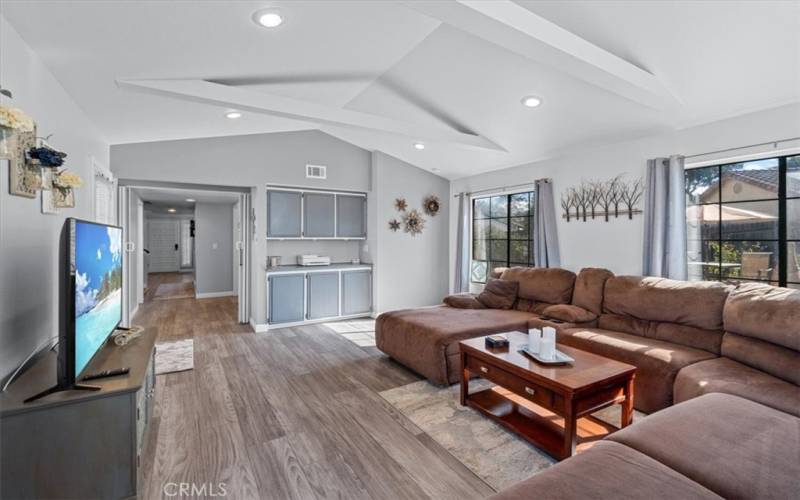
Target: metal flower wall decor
{"type": "Point", "coordinates": [605, 199]}
{"type": "Point", "coordinates": [394, 225]}
{"type": "Point", "coordinates": [431, 205]}
{"type": "Point", "coordinates": [413, 222]}
{"type": "Point", "coordinates": [400, 204]}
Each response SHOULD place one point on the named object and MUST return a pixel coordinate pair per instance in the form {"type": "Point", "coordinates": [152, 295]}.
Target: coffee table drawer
{"type": "Point", "coordinates": [528, 390]}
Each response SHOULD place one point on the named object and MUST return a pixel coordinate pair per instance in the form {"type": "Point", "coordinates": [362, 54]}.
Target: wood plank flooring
{"type": "Point", "coordinates": [292, 413]}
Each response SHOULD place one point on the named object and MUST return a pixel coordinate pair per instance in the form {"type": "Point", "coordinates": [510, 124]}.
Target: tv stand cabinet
{"type": "Point", "coordinates": [79, 444]}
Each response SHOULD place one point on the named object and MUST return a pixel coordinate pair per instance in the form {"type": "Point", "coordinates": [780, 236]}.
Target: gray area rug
{"type": "Point", "coordinates": [174, 356]}
{"type": "Point", "coordinates": [495, 455]}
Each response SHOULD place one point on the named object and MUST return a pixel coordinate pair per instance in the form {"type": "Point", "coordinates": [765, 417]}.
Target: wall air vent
{"type": "Point", "coordinates": [316, 172]}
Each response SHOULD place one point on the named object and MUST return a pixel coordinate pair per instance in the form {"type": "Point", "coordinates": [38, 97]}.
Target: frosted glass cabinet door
{"type": "Point", "coordinates": [323, 295]}
{"type": "Point", "coordinates": [286, 298]}
{"type": "Point", "coordinates": [283, 214]}
{"type": "Point", "coordinates": [351, 216]}
{"type": "Point", "coordinates": [356, 292]}
{"type": "Point", "coordinates": [318, 215]}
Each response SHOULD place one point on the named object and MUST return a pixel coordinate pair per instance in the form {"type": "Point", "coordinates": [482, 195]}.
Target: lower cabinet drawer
{"type": "Point", "coordinates": [533, 392]}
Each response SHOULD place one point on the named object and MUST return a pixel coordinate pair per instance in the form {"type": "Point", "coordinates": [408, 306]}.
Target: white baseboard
{"type": "Point", "coordinates": [211, 295]}
{"type": "Point", "coordinates": [258, 328]}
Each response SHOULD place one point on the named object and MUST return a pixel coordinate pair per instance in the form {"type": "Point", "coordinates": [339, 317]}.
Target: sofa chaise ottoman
{"type": "Point", "coordinates": [426, 339]}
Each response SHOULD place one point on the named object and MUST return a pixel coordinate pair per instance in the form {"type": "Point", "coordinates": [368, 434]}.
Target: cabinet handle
{"type": "Point", "coordinates": [530, 391]}
{"type": "Point", "coordinates": [484, 369]}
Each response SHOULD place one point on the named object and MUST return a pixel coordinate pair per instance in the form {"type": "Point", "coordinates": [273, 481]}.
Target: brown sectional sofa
{"type": "Point", "coordinates": [714, 446]}
{"type": "Point", "coordinates": [727, 357]}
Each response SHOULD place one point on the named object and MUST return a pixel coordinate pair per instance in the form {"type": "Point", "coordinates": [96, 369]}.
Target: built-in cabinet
{"type": "Point", "coordinates": [298, 296]}
{"type": "Point", "coordinates": [307, 214]}
{"type": "Point", "coordinates": [286, 298]}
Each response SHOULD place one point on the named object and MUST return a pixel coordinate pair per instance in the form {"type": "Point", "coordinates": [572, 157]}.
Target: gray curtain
{"type": "Point", "coordinates": [545, 235]}
{"type": "Point", "coordinates": [461, 282]}
{"type": "Point", "coordinates": [665, 219]}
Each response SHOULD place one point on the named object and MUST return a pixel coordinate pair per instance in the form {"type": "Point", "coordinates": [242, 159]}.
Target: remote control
{"type": "Point", "coordinates": [106, 373]}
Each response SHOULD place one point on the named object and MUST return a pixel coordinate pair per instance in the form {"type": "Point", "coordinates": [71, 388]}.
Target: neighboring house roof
{"type": "Point", "coordinates": [765, 179]}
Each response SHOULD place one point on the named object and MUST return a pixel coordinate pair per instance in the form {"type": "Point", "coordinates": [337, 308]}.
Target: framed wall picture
{"type": "Point", "coordinates": [24, 177]}
{"type": "Point", "coordinates": [48, 200]}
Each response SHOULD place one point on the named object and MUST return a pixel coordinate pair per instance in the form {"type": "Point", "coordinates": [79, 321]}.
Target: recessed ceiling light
{"type": "Point", "coordinates": [419, 145]}
{"type": "Point", "coordinates": [268, 18]}
{"type": "Point", "coordinates": [531, 101]}
{"type": "Point", "coordinates": [190, 200]}
{"type": "Point", "coordinates": [233, 115]}
{"type": "Point", "coordinates": [171, 210]}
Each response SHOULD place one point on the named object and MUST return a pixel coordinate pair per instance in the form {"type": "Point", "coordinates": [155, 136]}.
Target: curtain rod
{"type": "Point", "coordinates": [746, 147]}
{"type": "Point", "coordinates": [503, 188]}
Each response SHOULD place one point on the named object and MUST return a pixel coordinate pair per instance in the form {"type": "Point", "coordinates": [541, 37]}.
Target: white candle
{"type": "Point", "coordinates": [534, 340]}
{"type": "Point", "coordinates": [547, 349]}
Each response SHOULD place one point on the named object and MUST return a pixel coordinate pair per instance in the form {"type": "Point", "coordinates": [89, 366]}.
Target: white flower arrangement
{"type": "Point", "coordinates": [15, 119]}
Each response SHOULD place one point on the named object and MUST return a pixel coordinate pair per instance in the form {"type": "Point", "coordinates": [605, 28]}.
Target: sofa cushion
{"type": "Point", "coordinates": [570, 313]}
{"type": "Point", "coordinates": [541, 284]}
{"type": "Point", "coordinates": [421, 338]}
{"type": "Point", "coordinates": [589, 285]}
{"type": "Point", "coordinates": [765, 312]}
{"type": "Point", "coordinates": [463, 301]}
{"type": "Point", "coordinates": [732, 446]}
{"type": "Point", "coordinates": [499, 294]}
{"type": "Point", "coordinates": [708, 340]}
{"type": "Point", "coordinates": [691, 303]}
{"type": "Point", "coordinates": [765, 356]}
{"type": "Point", "coordinates": [729, 377]}
{"type": "Point", "coordinates": [657, 362]}
{"type": "Point", "coordinates": [607, 470]}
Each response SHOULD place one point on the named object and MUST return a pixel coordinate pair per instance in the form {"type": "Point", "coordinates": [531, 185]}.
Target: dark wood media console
{"type": "Point", "coordinates": [78, 444]}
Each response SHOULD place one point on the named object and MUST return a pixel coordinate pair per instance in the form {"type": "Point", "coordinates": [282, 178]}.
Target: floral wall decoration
{"type": "Point", "coordinates": [431, 205]}
{"type": "Point", "coordinates": [400, 204]}
{"type": "Point", "coordinates": [413, 222]}
{"type": "Point", "coordinates": [394, 225]}
{"type": "Point", "coordinates": [17, 136]}
{"type": "Point", "coordinates": [594, 199]}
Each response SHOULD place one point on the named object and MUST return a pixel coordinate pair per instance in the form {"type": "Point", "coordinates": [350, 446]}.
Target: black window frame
{"type": "Point", "coordinates": [782, 241]}
{"type": "Point", "coordinates": [508, 262]}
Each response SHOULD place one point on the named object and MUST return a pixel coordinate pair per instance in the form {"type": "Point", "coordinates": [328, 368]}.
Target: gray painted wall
{"type": "Point", "coordinates": [28, 239]}
{"type": "Point", "coordinates": [249, 161]}
{"type": "Point", "coordinates": [408, 271]}
{"type": "Point", "coordinates": [213, 238]}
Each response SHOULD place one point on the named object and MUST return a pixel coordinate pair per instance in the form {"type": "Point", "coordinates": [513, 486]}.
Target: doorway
{"type": "Point", "coordinates": [191, 247]}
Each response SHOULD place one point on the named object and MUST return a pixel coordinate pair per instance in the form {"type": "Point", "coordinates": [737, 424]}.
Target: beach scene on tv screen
{"type": "Point", "coordinates": [98, 287]}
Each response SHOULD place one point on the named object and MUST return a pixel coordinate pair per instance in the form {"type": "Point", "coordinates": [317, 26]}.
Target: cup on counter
{"type": "Point", "coordinates": [547, 349]}
{"type": "Point", "coordinates": [534, 340]}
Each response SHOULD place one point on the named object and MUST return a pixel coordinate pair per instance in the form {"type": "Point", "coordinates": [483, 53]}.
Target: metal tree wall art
{"type": "Point", "coordinates": [597, 198]}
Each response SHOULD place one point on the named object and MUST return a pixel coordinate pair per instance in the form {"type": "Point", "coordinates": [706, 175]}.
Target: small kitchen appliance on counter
{"type": "Point", "coordinates": [313, 260]}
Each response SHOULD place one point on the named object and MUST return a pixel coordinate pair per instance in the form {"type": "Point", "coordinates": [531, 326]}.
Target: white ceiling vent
{"type": "Point", "coordinates": [316, 172]}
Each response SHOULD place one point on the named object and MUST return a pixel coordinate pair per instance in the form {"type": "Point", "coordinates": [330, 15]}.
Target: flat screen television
{"type": "Point", "coordinates": [90, 297]}
{"type": "Point", "coordinates": [94, 290]}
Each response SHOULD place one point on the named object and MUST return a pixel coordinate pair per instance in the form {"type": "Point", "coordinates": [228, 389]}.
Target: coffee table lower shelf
{"type": "Point", "coordinates": [540, 427]}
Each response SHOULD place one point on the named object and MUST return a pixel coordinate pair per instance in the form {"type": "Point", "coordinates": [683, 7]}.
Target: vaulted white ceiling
{"type": "Point", "coordinates": [386, 74]}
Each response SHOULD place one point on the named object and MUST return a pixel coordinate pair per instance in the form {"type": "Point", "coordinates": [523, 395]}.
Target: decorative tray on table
{"type": "Point", "coordinates": [560, 359]}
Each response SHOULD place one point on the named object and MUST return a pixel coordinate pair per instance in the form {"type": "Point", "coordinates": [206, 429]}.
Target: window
{"type": "Point", "coordinates": [502, 233]}
{"type": "Point", "coordinates": [743, 221]}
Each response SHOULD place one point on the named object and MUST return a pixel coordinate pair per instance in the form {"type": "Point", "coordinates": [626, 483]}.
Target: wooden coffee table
{"type": "Point", "coordinates": [549, 406]}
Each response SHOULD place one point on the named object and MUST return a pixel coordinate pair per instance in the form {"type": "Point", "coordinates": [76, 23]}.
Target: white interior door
{"type": "Point", "coordinates": [164, 246]}
{"type": "Point", "coordinates": [123, 219]}
{"type": "Point", "coordinates": [242, 251]}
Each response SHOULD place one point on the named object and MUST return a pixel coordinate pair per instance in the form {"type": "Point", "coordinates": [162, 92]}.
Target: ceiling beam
{"type": "Point", "coordinates": [257, 102]}
{"type": "Point", "coordinates": [515, 28]}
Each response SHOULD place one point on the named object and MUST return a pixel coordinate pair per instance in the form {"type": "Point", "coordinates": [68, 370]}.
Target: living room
{"type": "Point", "coordinates": [466, 249]}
